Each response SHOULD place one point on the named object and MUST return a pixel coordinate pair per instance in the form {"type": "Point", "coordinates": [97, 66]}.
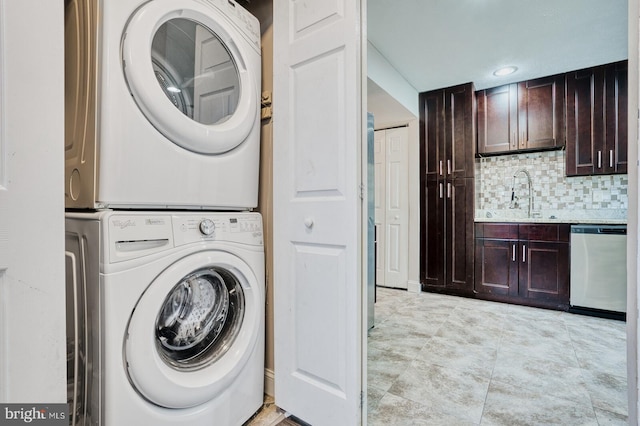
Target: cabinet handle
{"type": "Point", "coordinates": [441, 187]}
{"type": "Point", "coordinates": [611, 158]}
{"type": "Point", "coordinates": [448, 190]}
{"type": "Point", "coordinates": [524, 253]}
{"type": "Point", "coordinates": [513, 253]}
{"type": "Point", "coordinates": [449, 167]}
{"type": "Point", "coordinates": [599, 159]}
{"type": "Point", "coordinates": [514, 140]}
{"type": "Point", "coordinates": [440, 168]}
{"type": "Point", "coordinates": [522, 141]}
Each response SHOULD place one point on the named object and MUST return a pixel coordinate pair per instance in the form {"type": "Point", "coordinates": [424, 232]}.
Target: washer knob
{"type": "Point", "coordinates": [207, 227]}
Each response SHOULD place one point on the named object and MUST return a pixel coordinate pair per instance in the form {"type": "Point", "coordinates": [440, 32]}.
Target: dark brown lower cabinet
{"type": "Point", "coordinates": [523, 263]}
{"type": "Point", "coordinates": [496, 271]}
{"type": "Point", "coordinates": [446, 243]}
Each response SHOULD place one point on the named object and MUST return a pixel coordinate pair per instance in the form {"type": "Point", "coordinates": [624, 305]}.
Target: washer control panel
{"type": "Point", "coordinates": [245, 228]}
{"type": "Point", "coordinates": [131, 235]}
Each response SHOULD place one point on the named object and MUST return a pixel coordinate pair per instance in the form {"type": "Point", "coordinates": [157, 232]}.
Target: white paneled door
{"type": "Point", "coordinates": [379, 162]}
{"type": "Point", "coordinates": [32, 280]}
{"type": "Point", "coordinates": [392, 206]}
{"type": "Point", "coordinates": [318, 124]}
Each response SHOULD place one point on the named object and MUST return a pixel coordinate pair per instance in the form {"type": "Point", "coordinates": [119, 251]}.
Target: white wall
{"type": "Point", "coordinates": [414, 206]}
{"type": "Point", "coordinates": [382, 73]}
{"type": "Point", "coordinates": [32, 289]}
{"type": "Point", "coordinates": [394, 102]}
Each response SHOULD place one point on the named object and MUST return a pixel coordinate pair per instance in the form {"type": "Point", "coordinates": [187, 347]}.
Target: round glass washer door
{"type": "Point", "coordinates": [188, 75]}
{"type": "Point", "coordinates": [193, 330]}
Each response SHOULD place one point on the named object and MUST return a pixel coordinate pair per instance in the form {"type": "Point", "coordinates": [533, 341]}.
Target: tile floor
{"type": "Point", "coordinates": [444, 360]}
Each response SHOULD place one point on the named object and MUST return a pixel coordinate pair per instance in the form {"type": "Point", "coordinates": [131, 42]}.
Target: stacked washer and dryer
{"type": "Point", "coordinates": [165, 258]}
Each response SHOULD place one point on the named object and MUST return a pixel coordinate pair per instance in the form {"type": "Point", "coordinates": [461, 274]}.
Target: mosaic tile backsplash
{"type": "Point", "coordinates": [554, 194]}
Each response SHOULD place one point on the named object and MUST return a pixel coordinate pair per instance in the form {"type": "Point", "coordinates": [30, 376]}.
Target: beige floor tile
{"type": "Point", "coordinates": [446, 390]}
{"type": "Point", "coordinates": [450, 360]}
{"type": "Point", "coordinates": [395, 411]}
{"type": "Point", "coordinates": [509, 405]}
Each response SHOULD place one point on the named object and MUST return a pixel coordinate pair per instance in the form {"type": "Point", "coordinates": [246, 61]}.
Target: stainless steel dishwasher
{"type": "Point", "coordinates": [598, 269]}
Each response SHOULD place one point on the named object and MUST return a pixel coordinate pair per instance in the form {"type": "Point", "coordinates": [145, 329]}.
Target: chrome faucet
{"type": "Point", "coordinates": [514, 198]}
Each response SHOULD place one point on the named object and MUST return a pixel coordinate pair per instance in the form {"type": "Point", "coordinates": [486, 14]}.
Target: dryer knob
{"type": "Point", "coordinates": [207, 227]}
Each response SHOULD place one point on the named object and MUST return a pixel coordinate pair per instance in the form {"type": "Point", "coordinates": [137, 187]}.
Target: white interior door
{"type": "Point", "coordinates": [393, 211]}
{"type": "Point", "coordinates": [32, 279]}
{"type": "Point", "coordinates": [318, 124]}
{"type": "Point", "coordinates": [379, 161]}
{"type": "Point", "coordinates": [397, 208]}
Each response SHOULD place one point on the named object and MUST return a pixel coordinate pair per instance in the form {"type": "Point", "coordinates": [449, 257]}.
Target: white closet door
{"type": "Point", "coordinates": [392, 207]}
{"type": "Point", "coordinates": [397, 208]}
{"type": "Point", "coordinates": [380, 160]}
{"type": "Point", "coordinates": [318, 124]}
{"type": "Point", "coordinates": [32, 274]}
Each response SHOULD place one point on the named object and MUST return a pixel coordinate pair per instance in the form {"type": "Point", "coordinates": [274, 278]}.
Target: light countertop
{"type": "Point", "coordinates": [604, 217]}
{"type": "Point", "coordinates": [550, 220]}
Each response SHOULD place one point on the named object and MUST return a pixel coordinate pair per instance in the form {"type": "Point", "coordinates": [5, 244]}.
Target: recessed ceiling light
{"type": "Point", "coordinates": [500, 72]}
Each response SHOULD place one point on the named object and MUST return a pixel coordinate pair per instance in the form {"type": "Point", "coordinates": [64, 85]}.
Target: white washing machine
{"type": "Point", "coordinates": [165, 318]}
{"type": "Point", "coordinates": [162, 104]}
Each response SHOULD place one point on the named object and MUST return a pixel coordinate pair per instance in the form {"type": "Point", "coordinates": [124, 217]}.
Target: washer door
{"type": "Point", "coordinates": [193, 330]}
{"type": "Point", "coordinates": [188, 75]}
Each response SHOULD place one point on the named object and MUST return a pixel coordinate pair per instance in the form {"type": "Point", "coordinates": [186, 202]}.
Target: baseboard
{"type": "Point", "coordinates": [269, 382]}
{"type": "Point", "coordinates": [414, 287]}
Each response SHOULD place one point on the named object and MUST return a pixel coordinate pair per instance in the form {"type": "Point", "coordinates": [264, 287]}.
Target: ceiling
{"type": "Point", "coordinates": [440, 43]}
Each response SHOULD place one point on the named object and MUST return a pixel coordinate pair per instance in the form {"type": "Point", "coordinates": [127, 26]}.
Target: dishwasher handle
{"type": "Point", "coordinates": [612, 231]}
{"type": "Point", "coordinates": [599, 229]}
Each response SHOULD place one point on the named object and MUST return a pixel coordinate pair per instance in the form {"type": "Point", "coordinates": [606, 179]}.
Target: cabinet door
{"type": "Point", "coordinates": [496, 267]}
{"type": "Point", "coordinates": [497, 119]}
{"type": "Point", "coordinates": [544, 271]}
{"type": "Point", "coordinates": [459, 131]}
{"type": "Point", "coordinates": [432, 135]}
{"type": "Point", "coordinates": [541, 113]}
{"type": "Point", "coordinates": [459, 234]}
{"type": "Point", "coordinates": [597, 120]}
{"type": "Point", "coordinates": [432, 234]}
{"type": "Point", "coordinates": [615, 149]}
{"type": "Point", "coordinates": [584, 120]}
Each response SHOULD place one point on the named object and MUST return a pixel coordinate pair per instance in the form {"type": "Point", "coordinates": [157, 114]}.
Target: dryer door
{"type": "Point", "coordinates": [193, 330]}
{"type": "Point", "coordinates": [187, 69]}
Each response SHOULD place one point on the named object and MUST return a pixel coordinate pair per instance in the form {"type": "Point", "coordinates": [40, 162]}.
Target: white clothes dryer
{"type": "Point", "coordinates": [166, 318]}
{"type": "Point", "coordinates": [162, 104]}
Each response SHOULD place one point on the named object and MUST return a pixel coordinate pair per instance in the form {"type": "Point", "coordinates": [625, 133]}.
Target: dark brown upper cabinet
{"type": "Point", "coordinates": [521, 116]}
{"type": "Point", "coordinates": [447, 151]}
{"type": "Point", "coordinates": [447, 129]}
{"type": "Point", "coordinates": [597, 120]}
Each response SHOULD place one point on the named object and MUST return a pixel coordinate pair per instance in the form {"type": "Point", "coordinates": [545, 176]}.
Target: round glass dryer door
{"type": "Point", "coordinates": [188, 75]}
{"type": "Point", "coordinates": [193, 330]}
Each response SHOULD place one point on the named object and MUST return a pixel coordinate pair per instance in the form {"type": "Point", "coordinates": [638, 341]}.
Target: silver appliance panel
{"type": "Point", "coordinates": [599, 267]}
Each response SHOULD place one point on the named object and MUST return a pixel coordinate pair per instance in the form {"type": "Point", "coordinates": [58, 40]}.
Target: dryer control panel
{"type": "Point", "coordinates": [241, 18]}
